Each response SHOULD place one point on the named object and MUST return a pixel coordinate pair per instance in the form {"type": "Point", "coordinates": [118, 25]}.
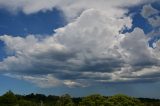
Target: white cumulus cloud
{"type": "Point", "coordinates": [89, 50]}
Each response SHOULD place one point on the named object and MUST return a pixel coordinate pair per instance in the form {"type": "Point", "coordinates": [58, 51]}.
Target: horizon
{"type": "Point", "coordinates": [80, 48]}
{"type": "Point", "coordinates": [77, 96]}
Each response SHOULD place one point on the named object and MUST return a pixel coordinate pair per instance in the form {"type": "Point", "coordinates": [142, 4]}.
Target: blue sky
{"type": "Point", "coordinates": [70, 47]}
{"type": "Point", "coordinates": [40, 23]}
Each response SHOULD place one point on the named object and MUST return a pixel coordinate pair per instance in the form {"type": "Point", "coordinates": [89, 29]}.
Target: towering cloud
{"type": "Point", "coordinates": [89, 50]}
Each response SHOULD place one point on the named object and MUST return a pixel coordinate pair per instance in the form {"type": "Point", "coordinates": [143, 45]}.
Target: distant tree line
{"type": "Point", "coordinates": [11, 99]}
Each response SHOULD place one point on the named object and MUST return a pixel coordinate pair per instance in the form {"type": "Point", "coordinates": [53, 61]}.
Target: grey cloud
{"type": "Point", "coordinates": [155, 21]}
{"type": "Point", "coordinates": [151, 14]}
{"type": "Point", "coordinates": [70, 8]}
{"type": "Point", "coordinates": [136, 45]}
{"type": "Point", "coordinates": [148, 11]}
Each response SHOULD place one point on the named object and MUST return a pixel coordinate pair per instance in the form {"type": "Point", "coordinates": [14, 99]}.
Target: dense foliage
{"type": "Point", "coordinates": [10, 99]}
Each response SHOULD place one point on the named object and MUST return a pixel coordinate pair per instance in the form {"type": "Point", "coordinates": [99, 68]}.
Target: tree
{"type": "Point", "coordinates": [93, 100]}
{"type": "Point", "coordinates": [123, 100]}
{"type": "Point", "coordinates": [8, 99]}
{"type": "Point", "coordinates": [65, 100]}
{"type": "Point", "coordinates": [25, 103]}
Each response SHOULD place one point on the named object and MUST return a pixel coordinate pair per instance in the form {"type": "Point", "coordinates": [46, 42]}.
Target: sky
{"type": "Point", "coordinates": [80, 47]}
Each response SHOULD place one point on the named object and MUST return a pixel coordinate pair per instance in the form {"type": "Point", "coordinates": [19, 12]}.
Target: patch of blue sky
{"type": "Point", "coordinates": [141, 22]}
{"type": "Point", "coordinates": [20, 24]}
{"type": "Point", "coordinates": [15, 85]}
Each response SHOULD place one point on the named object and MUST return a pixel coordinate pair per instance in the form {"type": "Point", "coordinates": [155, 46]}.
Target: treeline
{"type": "Point", "coordinates": [11, 99]}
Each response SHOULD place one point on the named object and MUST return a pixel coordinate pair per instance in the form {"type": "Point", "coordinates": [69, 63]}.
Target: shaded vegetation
{"type": "Point", "coordinates": [11, 99]}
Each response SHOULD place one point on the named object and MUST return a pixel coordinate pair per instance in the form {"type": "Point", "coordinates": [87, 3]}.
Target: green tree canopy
{"type": "Point", "coordinates": [93, 100]}
{"type": "Point", "coordinates": [123, 100]}
{"type": "Point", "coordinates": [25, 103]}
{"type": "Point", "coordinates": [8, 99]}
{"type": "Point", "coordinates": [65, 100]}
